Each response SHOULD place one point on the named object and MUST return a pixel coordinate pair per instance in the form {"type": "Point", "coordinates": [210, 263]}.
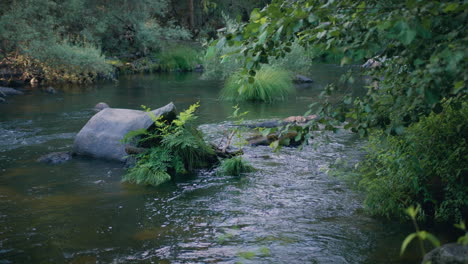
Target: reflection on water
{"type": "Point", "coordinates": [288, 211]}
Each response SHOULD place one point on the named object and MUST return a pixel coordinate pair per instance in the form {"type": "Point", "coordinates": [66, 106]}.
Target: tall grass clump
{"type": "Point", "coordinates": [234, 166]}
{"type": "Point", "coordinates": [175, 148]}
{"type": "Point", "coordinates": [270, 84]}
{"type": "Point", "coordinates": [178, 58]}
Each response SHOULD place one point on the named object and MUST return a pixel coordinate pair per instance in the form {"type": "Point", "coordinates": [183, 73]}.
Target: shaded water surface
{"type": "Point", "coordinates": [288, 211]}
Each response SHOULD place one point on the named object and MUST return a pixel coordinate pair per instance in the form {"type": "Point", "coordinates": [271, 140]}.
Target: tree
{"type": "Point", "coordinates": [422, 45]}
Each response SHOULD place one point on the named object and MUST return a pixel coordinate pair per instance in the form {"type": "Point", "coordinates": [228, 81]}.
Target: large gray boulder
{"type": "Point", "coordinates": [101, 136]}
{"type": "Point", "coordinates": [448, 254]}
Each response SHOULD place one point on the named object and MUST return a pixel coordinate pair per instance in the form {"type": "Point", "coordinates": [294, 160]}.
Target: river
{"type": "Point", "coordinates": [288, 211]}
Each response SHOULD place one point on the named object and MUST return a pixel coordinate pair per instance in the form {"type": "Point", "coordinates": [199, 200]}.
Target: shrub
{"type": "Point", "coordinates": [62, 62]}
{"type": "Point", "coordinates": [181, 57]}
{"type": "Point", "coordinates": [299, 60]}
{"type": "Point", "coordinates": [217, 68]}
{"type": "Point", "coordinates": [234, 166]}
{"type": "Point", "coordinates": [427, 165]}
{"type": "Point", "coordinates": [176, 147]}
{"type": "Point", "coordinates": [270, 84]}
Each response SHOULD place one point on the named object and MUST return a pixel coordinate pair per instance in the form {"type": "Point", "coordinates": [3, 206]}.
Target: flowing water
{"type": "Point", "coordinates": [288, 211]}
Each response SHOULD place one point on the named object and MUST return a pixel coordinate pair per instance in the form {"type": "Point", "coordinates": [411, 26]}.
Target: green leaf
{"type": "Point", "coordinates": [274, 145]}
{"type": "Point", "coordinates": [406, 242]}
{"type": "Point", "coordinates": [262, 38]}
{"type": "Point", "coordinates": [408, 36]}
{"type": "Point", "coordinates": [255, 15]}
{"type": "Point", "coordinates": [312, 18]}
{"type": "Point", "coordinates": [221, 43]}
{"type": "Point", "coordinates": [413, 211]}
{"type": "Point", "coordinates": [458, 86]}
{"type": "Point", "coordinates": [451, 7]}
{"type": "Point", "coordinates": [435, 242]}
{"type": "Point", "coordinates": [345, 60]}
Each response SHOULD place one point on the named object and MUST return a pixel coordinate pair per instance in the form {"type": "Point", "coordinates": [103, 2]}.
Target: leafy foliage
{"type": "Point", "coordinates": [235, 166]}
{"type": "Point", "coordinates": [175, 148]}
{"type": "Point", "coordinates": [427, 166]}
{"type": "Point", "coordinates": [66, 62]}
{"type": "Point", "coordinates": [64, 40]}
{"type": "Point", "coordinates": [422, 44]}
{"type": "Point", "coordinates": [152, 167]}
{"type": "Point", "coordinates": [182, 58]}
{"type": "Point", "coordinates": [269, 85]}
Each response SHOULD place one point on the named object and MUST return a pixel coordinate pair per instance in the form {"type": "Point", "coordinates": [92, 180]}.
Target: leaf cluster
{"type": "Point", "coordinates": [422, 45]}
{"type": "Point", "coordinates": [175, 147]}
{"type": "Point", "coordinates": [426, 166]}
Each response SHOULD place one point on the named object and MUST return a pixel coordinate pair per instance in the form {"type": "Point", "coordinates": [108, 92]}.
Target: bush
{"type": "Point", "coordinates": [234, 166]}
{"type": "Point", "coordinates": [270, 84]}
{"type": "Point", "coordinates": [217, 68]}
{"type": "Point", "coordinates": [182, 58]}
{"type": "Point", "coordinates": [66, 62]}
{"type": "Point", "coordinates": [176, 147]}
{"type": "Point", "coordinates": [427, 166]}
{"type": "Point", "coordinates": [299, 60]}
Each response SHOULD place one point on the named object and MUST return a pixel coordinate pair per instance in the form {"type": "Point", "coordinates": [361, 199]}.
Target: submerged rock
{"type": "Point", "coordinates": [9, 91]}
{"type": "Point", "coordinates": [302, 79]}
{"type": "Point", "coordinates": [448, 254]}
{"type": "Point", "coordinates": [100, 106]}
{"type": "Point", "coordinates": [56, 157]}
{"type": "Point", "coordinates": [51, 90]}
{"type": "Point", "coordinates": [101, 136]}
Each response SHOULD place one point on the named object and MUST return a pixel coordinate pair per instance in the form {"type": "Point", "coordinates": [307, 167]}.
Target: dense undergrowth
{"type": "Point", "coordinates": [427, 165]}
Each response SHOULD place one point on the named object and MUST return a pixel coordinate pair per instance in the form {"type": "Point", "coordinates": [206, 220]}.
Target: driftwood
{"type": "Point", "coordinates": [224, 152]}
{"type": "Point", "coordinates": [131, 150]}
{"type": "Point", "coordinates": [289, 120]}
{"type": "Point", "coordinates": [287, 139]}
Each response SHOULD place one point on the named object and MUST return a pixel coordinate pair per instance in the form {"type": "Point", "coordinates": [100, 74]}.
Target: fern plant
{"type": "Point", "coordinates": [175, 147]}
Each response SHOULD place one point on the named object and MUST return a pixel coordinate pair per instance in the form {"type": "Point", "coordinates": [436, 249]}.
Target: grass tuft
{"type": "Point", "coordinates": [270, 84]}
{"type": "Point", "coordinates": [235, 167]}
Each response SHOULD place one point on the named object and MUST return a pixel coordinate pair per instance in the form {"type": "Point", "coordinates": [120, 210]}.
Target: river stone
{"type": "Point", "coordinates": [448, 254]}
{"type": "Point", "coordinates": [100, 137]}
{"type": "Point", "coordinates": [56, 157]}
{"type": "Point", "coordinates": [100, 106]}
{"type": "Point", "coordinates": [302, 79]}
{"type": "Point", "coordinates": [9, 91]}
